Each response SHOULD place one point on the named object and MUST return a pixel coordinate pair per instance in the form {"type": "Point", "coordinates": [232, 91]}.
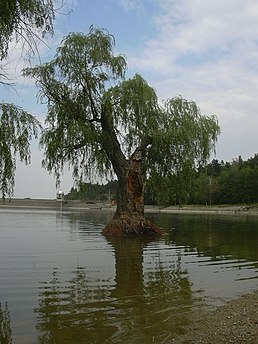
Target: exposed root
{"type": "Point", "coordinates": [127, 225]}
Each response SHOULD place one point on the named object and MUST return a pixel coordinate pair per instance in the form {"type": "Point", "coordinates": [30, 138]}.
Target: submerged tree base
{"type": "Point", "coordinates": [127, 225]}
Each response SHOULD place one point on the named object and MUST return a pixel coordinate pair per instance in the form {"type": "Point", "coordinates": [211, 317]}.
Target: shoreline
{"type": "Point", "coordinates": [53, 204]}
{"type": "Point", "coordinates": [234, 322]}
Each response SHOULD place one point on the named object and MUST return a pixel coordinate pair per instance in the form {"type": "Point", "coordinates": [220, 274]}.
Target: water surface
{"type": "Point", "coordinates": [62, 282]}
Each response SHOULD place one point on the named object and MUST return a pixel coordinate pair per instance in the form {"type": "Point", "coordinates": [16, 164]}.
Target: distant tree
{"type": "Point", "coordinates": [238, 184]}
{"type": "Point", "coordinates": [253, 184]}
{"type": "Point", "coordinates": [205, 187]}
{"type": "Point", "coordinates": [253, 162]}
{"type": "Point", "coordinates": [94, 192]}
{"type": "Point", "coordinates": [99, 120]}
{"type": "Point", "coordinates": [214, 168]}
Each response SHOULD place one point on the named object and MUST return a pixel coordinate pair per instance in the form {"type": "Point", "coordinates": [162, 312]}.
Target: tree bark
{"type": "Point", "coordinates": [129, 216]}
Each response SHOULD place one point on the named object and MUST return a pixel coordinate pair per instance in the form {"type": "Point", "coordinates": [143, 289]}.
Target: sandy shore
{"type": "Point", "coordinates": [235, 322]}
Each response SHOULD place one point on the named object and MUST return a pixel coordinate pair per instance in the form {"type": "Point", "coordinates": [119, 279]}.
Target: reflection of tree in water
{"type": "Point", "coordinates": [152, 297]}
{"type": "Point", "coordinates": [74, 311]}
{"type": "Point", "coordinates": [138, 306]}
{"type": "Point", "coordinates": [5, 325]}
{"type": "Point", "coordinates": [170, 284]}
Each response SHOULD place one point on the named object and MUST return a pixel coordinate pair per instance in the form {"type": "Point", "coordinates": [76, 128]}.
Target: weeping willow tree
{"type": "Point", "coordinates": [17, 128]}
{"type": "Point", "coordinates": [99, 120]}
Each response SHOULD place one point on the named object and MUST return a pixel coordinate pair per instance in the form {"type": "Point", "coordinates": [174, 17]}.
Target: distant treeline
{"type": "Point", "coordinates": [89, 192]}
{"type": "Point", "coordinates": [221, 182]}
{"type": "Point", "coordinates": [226, 183]}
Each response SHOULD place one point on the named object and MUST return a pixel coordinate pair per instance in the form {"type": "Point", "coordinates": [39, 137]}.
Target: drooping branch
{"type": "Point", "coordinates": [17, 128]}
{"type": "Point", "coordinates": [92, 103]}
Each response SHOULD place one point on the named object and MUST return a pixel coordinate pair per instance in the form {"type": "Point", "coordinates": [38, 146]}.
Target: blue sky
{"type": "Point", "coordinates": [204, 50]}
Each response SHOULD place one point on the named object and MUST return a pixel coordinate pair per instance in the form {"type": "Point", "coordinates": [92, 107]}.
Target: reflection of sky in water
{"type": "Point", "coordinates": [199, 260]}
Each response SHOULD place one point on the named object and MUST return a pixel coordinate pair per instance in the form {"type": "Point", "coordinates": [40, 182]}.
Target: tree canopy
{"type": "Point", "coordinates": [98, 121]}
{"type": "Point", "coordinates": [85, 80]}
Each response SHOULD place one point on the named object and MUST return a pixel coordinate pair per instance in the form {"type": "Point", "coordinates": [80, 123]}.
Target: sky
{"type": "Point", "coordinates": [203, 50]}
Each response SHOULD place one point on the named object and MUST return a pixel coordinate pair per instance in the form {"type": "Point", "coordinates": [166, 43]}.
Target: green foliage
{"type": "Point", "coordinates": [94, 192]}
{"type": "Point", "coordinates": [136, 113]}
{"type": "Point", "coordinates": [217, 182]}
{"type": "Point", "coordinates": [17, 128]}
{"type": "Point", "coordinates": [205, 188]}
{"type": "Point", "coordinates": [97, 118]}
{"type": "Point", "coordinates": [227, 183]}
{"type": "Point", "coordinates": [74, 83]}
{"type": "Point", "coordinates": [181, 147]}
{"type": "Point", "coordinates": [20, 19]}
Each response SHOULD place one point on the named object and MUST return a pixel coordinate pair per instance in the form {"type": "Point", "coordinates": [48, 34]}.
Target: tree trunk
{"type": "Point", "coordinates": [129, 216]}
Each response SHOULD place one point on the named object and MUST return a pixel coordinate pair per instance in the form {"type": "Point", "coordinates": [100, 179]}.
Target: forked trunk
{"type": "Point", "coordinates": [129, 216]}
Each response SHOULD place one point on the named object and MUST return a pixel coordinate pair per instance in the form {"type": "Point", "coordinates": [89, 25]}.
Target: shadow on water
{"type": "Point", "coordinates": [136, 307]}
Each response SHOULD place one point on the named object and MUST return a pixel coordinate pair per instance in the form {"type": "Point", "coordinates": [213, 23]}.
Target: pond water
{"type": "Point", "coordinates": [62, 282]}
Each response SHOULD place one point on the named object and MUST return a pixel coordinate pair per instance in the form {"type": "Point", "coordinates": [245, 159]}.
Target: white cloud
{"type": "Point", "coordinates": [132, 5]}
{"type": "Point", "coordinates": [207, 51]}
